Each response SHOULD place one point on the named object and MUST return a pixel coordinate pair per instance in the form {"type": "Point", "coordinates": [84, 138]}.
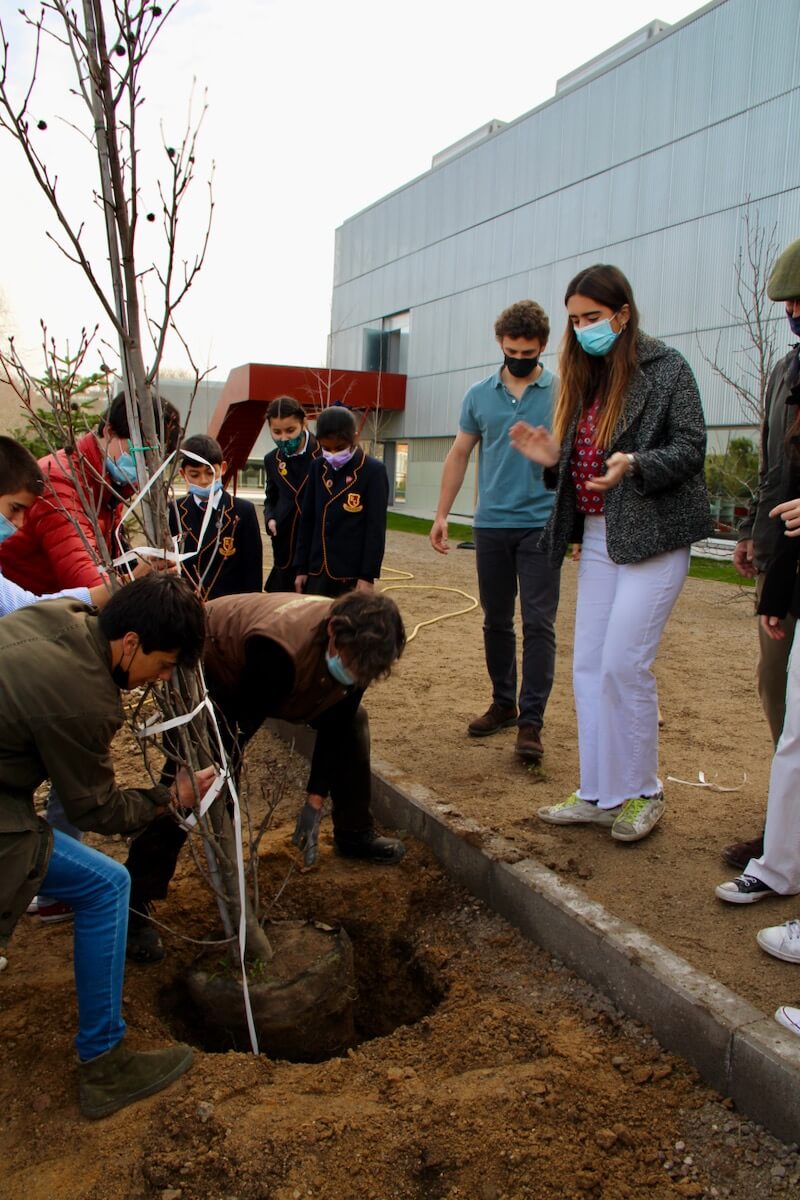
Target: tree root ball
{"type": "Point", "coordinates": [302, 1000]}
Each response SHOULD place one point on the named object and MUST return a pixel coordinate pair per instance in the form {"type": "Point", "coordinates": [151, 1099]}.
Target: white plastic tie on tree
{"type": "Point", "coordinates": [173, 556]}
{"type": "Point", "coordinates": [237, 829]}
{"type": "Point", "coordinates": [153, 726]}
{"type": "Point", "coordinates": [223, 777]}
{"type": "Point", "coordinates": [702, 782]}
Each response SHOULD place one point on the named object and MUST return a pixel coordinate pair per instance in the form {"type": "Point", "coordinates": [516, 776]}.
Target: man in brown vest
{"type": "Point", "coordinates": [303, 659]}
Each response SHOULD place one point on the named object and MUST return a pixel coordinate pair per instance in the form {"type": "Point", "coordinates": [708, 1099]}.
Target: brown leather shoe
{"type": "Point", "coordinates": [495, 718]}
{"type": "Point", "coordinates": [529, 744]}
{"type": "Point", "coordinates": [739, 854]}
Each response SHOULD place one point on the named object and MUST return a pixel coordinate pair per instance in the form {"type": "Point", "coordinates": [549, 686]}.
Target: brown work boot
{"type": "Point", "coordinates": [496, 717]}
{"type": "Point", "coordinates": [739, 854]}
{"type": "Point", "coordinates": [121, 1076]}
{"type": "Point", "coordinates": [529, 744]}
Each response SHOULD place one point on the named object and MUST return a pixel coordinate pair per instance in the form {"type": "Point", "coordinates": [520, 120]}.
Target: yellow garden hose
{"type": "Point", "coordinates": [422, 587]}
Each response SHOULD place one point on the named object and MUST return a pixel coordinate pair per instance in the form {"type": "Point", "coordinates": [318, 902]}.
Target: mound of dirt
{"type": "Point", "coordinates": [482, 1070]}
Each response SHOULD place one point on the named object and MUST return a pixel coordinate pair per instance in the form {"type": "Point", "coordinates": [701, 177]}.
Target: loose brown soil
{"type": "Point", "coordinates": [483, 1069]}
{"type": "Point", "coordinates": [713, 723]}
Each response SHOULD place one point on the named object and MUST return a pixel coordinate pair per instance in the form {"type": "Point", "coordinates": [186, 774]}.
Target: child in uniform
{"type": "Point", "coordinates": [343, 525]}
{"type": "Point", "coordinates": [286, 469]}
{"type": "Point", "coordinates": [230, 558]}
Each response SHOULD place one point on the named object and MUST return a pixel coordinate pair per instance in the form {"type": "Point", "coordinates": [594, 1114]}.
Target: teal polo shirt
{"type": "Point", "coordinates": [511, 494]}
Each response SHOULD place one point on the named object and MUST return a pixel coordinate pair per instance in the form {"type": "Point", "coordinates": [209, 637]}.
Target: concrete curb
{"type": "Point", "coordinates": [737, 1049]}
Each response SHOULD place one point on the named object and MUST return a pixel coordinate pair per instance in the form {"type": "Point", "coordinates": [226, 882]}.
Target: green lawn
{"type": "Point", "coordinates": [699, 568]}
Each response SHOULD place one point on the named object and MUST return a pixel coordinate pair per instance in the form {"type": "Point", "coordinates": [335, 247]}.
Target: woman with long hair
{"type": "Point", "coordinates": [626, 461]}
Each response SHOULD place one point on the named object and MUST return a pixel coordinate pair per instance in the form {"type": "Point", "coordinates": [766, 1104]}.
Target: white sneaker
{"type": "Point", "coordinates": [781, 941]}
{"type": "Point", "coordinates": [789, 1018]}
{"type": "Point", "coordinates": [637, 817]}
{"type": "Point", "coordinates": [33, 907]}
{"type": "Point", "coordinates": [574, 811]}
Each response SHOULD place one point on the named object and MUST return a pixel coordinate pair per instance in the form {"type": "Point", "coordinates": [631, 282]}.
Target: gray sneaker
{"type": "Point", "coordinates": [637, 817]}
{"type": "Point", "coordinates": [574, 811]}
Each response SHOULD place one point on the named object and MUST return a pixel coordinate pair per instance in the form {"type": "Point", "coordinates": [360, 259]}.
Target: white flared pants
{"type": "Point", "coordinates": [779, 865]}
{"type": "Point", "coordinates": [620, 616]}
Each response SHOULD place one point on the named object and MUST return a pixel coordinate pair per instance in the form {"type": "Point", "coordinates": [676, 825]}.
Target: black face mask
{"type": "Point", "coordinates": [520, 368]}
{"type": "Point", "coordinates": [120, 677]}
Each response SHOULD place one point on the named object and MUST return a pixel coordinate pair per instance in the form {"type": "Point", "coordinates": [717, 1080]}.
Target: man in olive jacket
{"type": "Point", "coordinates": [62, 666]}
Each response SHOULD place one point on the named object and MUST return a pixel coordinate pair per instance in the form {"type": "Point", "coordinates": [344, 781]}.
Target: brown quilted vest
{"type": "Point", "coordinates": [296, 623]}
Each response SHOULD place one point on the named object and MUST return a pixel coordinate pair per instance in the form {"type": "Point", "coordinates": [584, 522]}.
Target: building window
{"type": "Point", "coordinates": [400, 472]}
{"type": "Point", "coordinates": [252, 475]}
{"type": "Point", "coordinates": [386, 348]}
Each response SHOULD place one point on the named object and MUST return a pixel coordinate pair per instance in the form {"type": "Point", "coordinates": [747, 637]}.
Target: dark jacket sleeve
{"type": "Point", "coordinates": [270, 490]}
{"type": "Point", "coordinates": [684, 449]}
{"type": "Point", "coordinates": [266, 681]}
{"type": "Point", "coordinates": [375, 531]}
{"type": "Point", "coordinates": [779, 586]}
{"type": "Point", "coordinates": [77, 755]}
{"type": "Point", "coordinates": [305, 528]}
{"type": "Point", "coordinates": [251, 548]}
{"type": "Point", "coordinates": [174, 519]}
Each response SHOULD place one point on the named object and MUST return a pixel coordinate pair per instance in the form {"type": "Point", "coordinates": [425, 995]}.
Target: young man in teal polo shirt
{"type": "Point", "coordinates": [513, 508]}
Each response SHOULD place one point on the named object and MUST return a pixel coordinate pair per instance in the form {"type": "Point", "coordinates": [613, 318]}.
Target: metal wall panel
{"type": "Point", "coordinates": [648, 165]}
{"type": "Point", "coordinates": [776, 47]}
{"type": "Point", "coordinates": [729, 35]}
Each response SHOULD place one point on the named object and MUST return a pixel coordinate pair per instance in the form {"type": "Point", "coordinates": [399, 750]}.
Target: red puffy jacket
{"type": "Point", "coordinates": [55, 548]}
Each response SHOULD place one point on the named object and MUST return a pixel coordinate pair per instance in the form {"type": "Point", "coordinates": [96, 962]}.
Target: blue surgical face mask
{"type": "Point", "coordinates": [123, 470]}
{"type": "Point", "coordinates": [203, 493]}
{"type": "Point", "coordinates": [338, 670]}
{"type": "Point", "coordinates": [596, 339]}
{"type": "Point", "coordinates": [7, 529]}
{"type": "Point", "coordinates": [794, 324]}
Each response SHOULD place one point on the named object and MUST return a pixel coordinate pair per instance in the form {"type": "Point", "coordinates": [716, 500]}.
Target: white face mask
{"type": "Point", "coordinates": [340, 458]}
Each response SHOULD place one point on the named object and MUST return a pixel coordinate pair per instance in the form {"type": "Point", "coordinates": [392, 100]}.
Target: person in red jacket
{"type": "Point", "coordinates": [58, 545]}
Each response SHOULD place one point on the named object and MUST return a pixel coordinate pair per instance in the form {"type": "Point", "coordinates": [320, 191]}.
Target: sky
{"type": "Point", "coordinates": [315, 109]}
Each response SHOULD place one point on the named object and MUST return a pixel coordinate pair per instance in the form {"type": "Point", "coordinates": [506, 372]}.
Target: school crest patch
{"type": "Point", "coordinates": [353, 503]}
{"type": "Point", "coordinates": [227, 547]}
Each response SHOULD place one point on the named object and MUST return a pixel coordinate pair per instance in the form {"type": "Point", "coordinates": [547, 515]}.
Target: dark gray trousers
{"type": "Point", "coordinates": [508, 561]}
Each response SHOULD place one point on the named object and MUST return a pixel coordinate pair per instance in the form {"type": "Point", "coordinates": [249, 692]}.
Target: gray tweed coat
{"type": "Point", "coordinates": [666, 506]}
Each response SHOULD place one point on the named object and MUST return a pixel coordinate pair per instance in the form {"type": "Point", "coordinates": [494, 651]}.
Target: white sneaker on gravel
{"type": "Point", "coordinates": [789, 1018]}
{"type": "Point", "coordinates": [574, 811]}
{"type": "Point", "coordinates": [781, 941]}
{"type": "Point", "coordinates": [637, 817]}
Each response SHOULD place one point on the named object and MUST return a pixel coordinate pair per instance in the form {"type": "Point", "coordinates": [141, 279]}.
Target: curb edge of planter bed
{"type": "Point", "coordinates": [737, 1049]}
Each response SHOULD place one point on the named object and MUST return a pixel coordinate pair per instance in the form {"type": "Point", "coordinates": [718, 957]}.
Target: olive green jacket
{"type": "Point", "coordinates": [59, 711]}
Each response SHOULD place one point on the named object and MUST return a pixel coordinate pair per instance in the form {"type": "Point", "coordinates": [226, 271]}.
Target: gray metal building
{"type": "Point", "coordinates": [646, 157]}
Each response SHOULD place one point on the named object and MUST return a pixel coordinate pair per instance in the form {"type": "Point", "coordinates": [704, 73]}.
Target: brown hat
{"type": "Point", "coordinates": [784, 282]}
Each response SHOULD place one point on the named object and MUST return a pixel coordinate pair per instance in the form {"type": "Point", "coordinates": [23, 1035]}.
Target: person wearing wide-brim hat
{"type": "Point", "coordinates": [761, 536]}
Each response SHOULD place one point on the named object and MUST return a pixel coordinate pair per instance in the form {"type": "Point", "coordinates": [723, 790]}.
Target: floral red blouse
{"type": "Point", "coordinates": [587, 461]}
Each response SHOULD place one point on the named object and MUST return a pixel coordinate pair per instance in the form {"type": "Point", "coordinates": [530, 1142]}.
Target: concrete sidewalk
{"type": "Point", "coordinates": [740, 1051]}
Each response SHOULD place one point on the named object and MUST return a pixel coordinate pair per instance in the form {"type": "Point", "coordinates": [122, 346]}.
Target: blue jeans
{"type": "Point", "coordinates": [57, 819]}
{"type": "Point", "coordinates": [97, 888]}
